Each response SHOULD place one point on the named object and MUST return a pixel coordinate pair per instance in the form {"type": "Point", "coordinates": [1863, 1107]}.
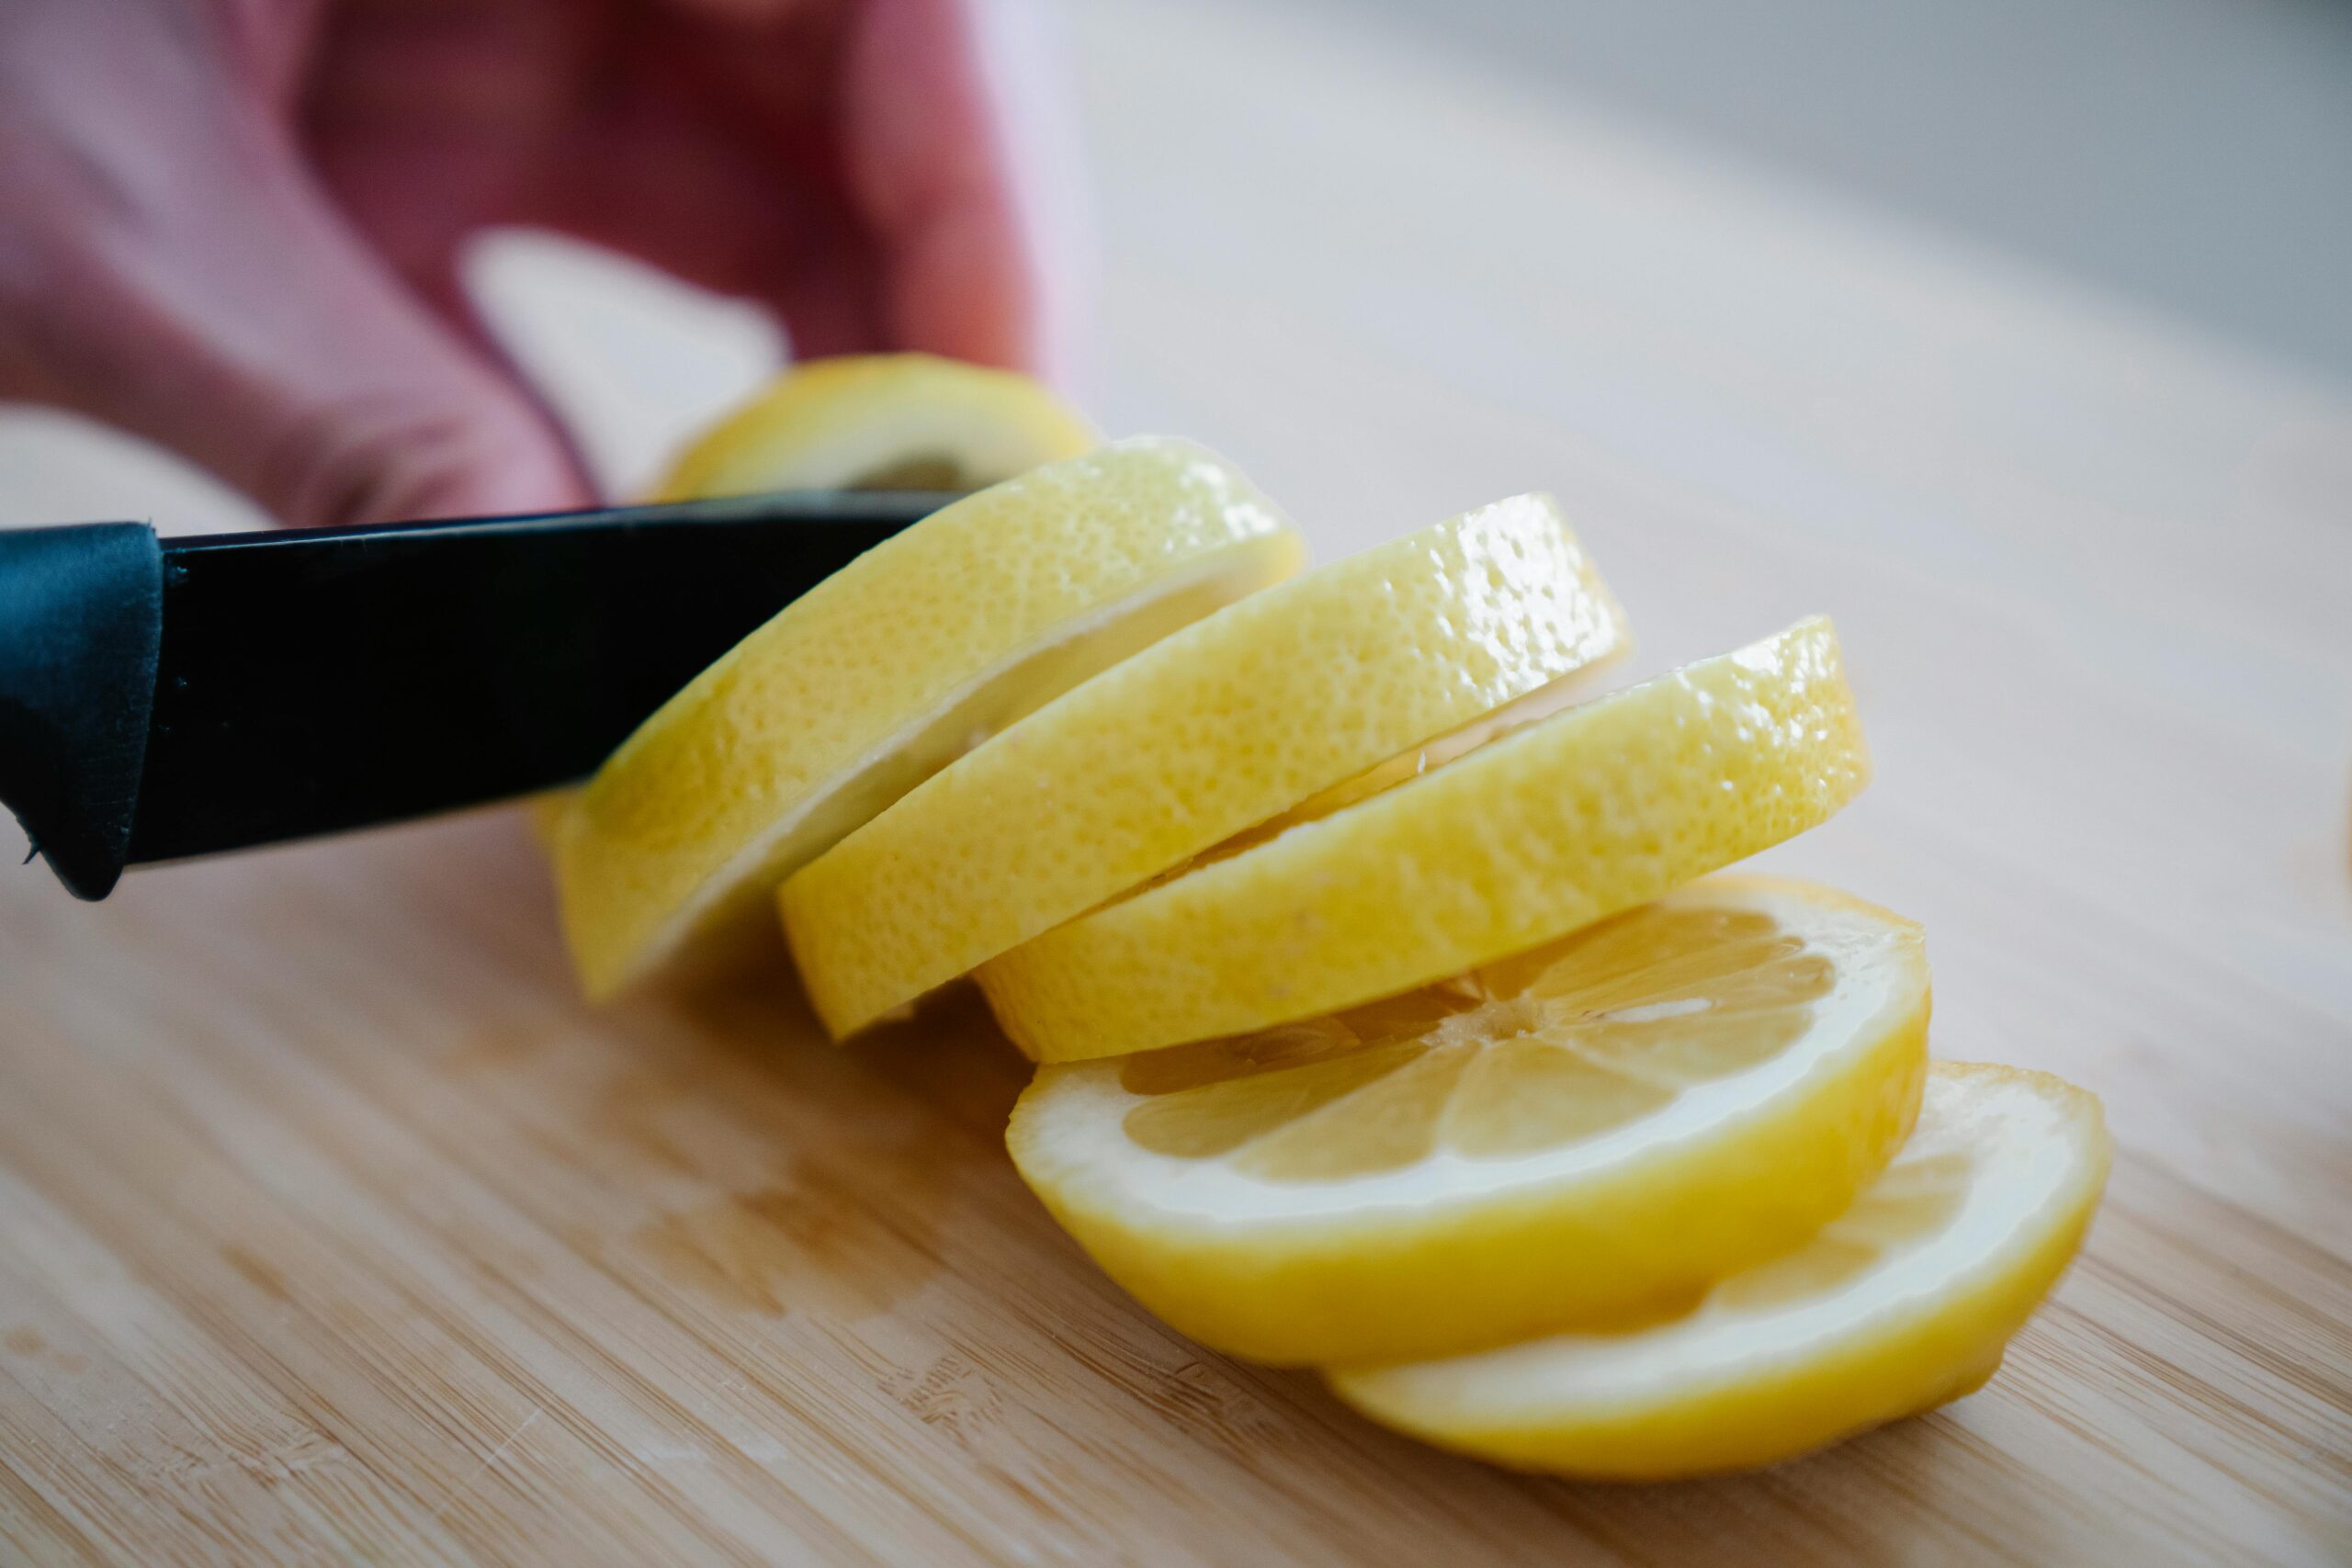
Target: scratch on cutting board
{"type": "Point", "coordinates": [482, 1469]}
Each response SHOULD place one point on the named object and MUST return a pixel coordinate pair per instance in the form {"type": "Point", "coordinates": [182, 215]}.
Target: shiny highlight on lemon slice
{"type": "Point", "coordinates": [1586, 1130]}
{"type": "Point", "coordinates": [882, 674]}
{"type": "Point", "coordinates": [881, 422]}
{"type": "Point", "coordinates": [1904, 1302]}
{"type": "Point", "coordinates": [1223, 725]}
{"type": "Point", "coordinates": [1549, 827]}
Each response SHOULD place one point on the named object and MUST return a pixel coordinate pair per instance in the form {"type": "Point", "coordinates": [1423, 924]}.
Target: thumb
{"type": "Point", "coordinates": [179, 274]}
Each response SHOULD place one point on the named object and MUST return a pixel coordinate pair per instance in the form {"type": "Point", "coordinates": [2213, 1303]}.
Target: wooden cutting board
{"type": "Point", "coordinates": [332, 1228]}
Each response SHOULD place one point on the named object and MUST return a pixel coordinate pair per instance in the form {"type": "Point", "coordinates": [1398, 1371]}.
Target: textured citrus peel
{"type": "Point", "coordinates": [882, 421]}
{"type": "Point", "coordinates": [1902, 1304]}
{"type": "Point", "coordinates": [1552, 827]}
{"type": "Point", "coordinates": [870, 683]}
{"type": "Point", "coordinates": [1225, 724]}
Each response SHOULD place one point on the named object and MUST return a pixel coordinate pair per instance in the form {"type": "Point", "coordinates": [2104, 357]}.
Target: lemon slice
{"type": "Point", "coordinates": [1581, 1130]}
{"type": "Point", "coordinates": [1544, 829]}
{"type": "Point", "coordinates": [875, 680]}
{"type": "Point", "coordinates": [881, 422]}
{"type": "Point", "coordinates": [1902, 1303]}
{"type": "Point", "coordinates": [1219, 726]}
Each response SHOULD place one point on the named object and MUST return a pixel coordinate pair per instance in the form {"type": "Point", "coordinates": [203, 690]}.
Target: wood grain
{"type": "Point", "coordinates": [332, 1228]}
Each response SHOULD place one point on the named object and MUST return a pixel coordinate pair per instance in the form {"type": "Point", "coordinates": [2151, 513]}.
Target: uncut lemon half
{"type": "Point", "coordinates": [1221, 726]}
{"type": "Point", "coordinates": [1579, 1131]}
{"type": "Point", "coordinates": [881, 422]}
{"type": "Point", "coordinates": [875, 679]}
{"type": "Point", "coordinates": [1549, 827]}
{"type": "Point", "coordinates": [1901, 1303]}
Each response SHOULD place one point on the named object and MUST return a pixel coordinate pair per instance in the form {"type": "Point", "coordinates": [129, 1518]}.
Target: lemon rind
{"type": "Point", "coordinates": [1110, 784]}
{"type": "Point", "coordinates": [627, 908]}
{"type": "Point", "coordinates": [1907, 1354]}
{"type": "Point", "coordinates": [1387, 1284]}
{"type": "Point", "coordinates": [1541, 831]}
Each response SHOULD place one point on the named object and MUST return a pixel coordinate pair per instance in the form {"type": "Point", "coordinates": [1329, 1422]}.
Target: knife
{"type": "Point", "coordinates": [161, 699]}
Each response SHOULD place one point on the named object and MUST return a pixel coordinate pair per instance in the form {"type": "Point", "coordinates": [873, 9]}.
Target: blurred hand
{"type": "Point", "coordinates": [233, 225]}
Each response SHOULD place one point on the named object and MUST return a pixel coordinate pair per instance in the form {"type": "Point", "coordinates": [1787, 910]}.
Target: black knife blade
{"type": "Point", "coordinates": [163, 698]}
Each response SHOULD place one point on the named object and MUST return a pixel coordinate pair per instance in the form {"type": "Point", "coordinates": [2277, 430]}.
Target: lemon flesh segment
{"type": "Point", "coordinates": [875, 679]}
{"type": "Point", "coordinates": [1219, 726]}
{"type": "Point", "coordinates": [881, 422]}
{"type": "Point", "coordinates": [1902, 1303]}
{"type": "Point", "coordinates": [1575, 1133]}
{"type": "Point", "coordinates": [1549, 827]}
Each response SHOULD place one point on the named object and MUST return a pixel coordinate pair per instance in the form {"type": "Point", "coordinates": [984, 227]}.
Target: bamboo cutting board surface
{"type": "Point", "coordinates": [332, 1228]}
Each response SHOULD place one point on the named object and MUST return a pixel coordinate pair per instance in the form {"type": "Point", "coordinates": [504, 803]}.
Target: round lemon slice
{"type": "Point", "coordinates": [1901, 1303]}
{"type": "Point", "coordinates": [1580, 1131]}
{"type": "Point", "coordinates": [1222, 726]}
{"type": "Point", "coordinates": [881, 422]}
{"type": "Point", "coordinates": [1549, 827]}
{"type": "Point", "coordinates": [879, 677]}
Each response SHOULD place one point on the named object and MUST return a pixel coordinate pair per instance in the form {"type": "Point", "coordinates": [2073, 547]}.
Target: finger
{"type": "Point", "coordinates": [958, 152]}
{"type": "Point", "coordinates": [179, 274]}
{"type": "Point", "coordinates": [709, 149]}
{"type": "Point", "coordinates": [662, 172]}
{"type": "Point", "coordinates": [428, 122]}
{"type": "Point", "coordinates": [887, 174]}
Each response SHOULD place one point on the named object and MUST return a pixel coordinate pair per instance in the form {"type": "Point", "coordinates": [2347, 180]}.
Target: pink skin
{"type": "Point", "coordinates": [231, 226]}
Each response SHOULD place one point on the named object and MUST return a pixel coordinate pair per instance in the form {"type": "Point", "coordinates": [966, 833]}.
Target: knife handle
{"type": "Point", "coordinates": [80, 627]}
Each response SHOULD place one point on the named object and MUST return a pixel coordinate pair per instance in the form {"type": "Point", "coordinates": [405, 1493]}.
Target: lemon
{"type": "Point", "coordinates": [881, 422]}
{"type": "Point", "coordinates": [879, 676]}
{"type": "Point", "coordinates": [1549, 827]}
{"type": "Point", "coordinates": [1901, 1303]}
{"type": "Point", "coordinates": [1219, 726]}
{"type": "Point", "coordinates": [1579, 1131]}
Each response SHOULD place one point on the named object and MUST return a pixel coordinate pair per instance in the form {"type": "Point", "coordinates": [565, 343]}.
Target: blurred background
{"type": "Point", "coordinates": [2185, 164]}
{"type": "Point", "coordinates": [2193, 154]}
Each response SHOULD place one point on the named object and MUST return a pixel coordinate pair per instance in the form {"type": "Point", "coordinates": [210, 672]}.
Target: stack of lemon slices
{"type": "Point", "coordinates": [1390, 1020]}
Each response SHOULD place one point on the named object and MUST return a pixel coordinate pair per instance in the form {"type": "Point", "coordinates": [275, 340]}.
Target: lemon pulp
{"type": "Point", "coordinates": [1572, 1133]}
